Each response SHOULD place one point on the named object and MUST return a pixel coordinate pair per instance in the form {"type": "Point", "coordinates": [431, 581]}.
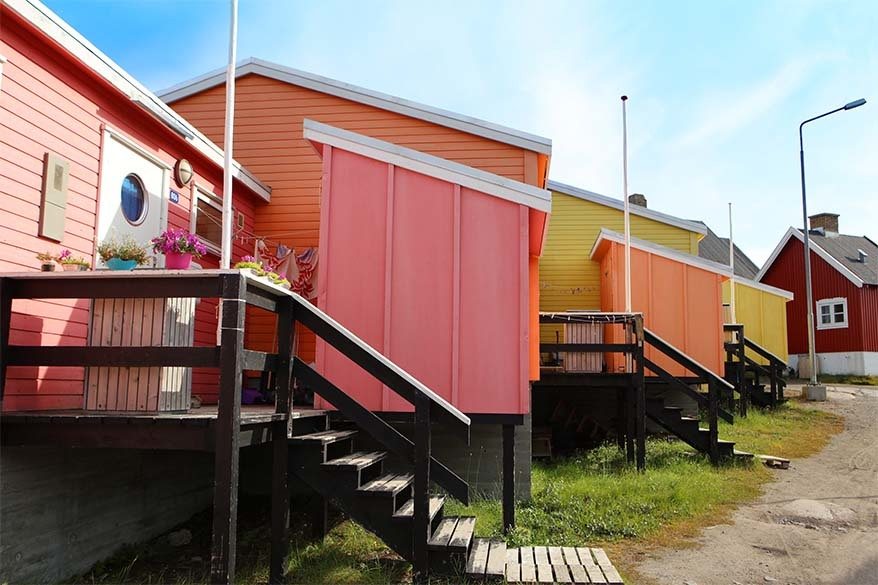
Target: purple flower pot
{"type": "Point", "coordinates": [177, 261]}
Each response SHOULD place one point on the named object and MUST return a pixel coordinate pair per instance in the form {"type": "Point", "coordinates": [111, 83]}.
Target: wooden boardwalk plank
{"type": "Point", "coordinates": [562, 575]}
{"type": "Point", "coordinates": [541, 555]}
{"type": "Point", "coordinates": [544, 574]}
{"type": "Point", "coordinates": [578, 573]}
{"type": "Point", "coordinates": [512, 556]}
{"type": "Point", "coordinates": [527, 555]}
{"type": "Point", "coordinates": [478, 557]}
{"type": "Point", "coordinates": [595, 574]}
{"type": "Point", "coordinates": [528, 573]}
{"type": "Point", "coordinates": [496, 559]}
{"type": "Point", "coordinates": [606, 566]}
{"type": "Point", "coordinates": [513, 572]}
{"type": "Point", "coordinates": [555, 556]}
{"type": "Point", "coordinates": [570, 556]}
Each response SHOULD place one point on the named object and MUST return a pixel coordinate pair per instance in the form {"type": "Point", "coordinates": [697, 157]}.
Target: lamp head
{"type": "Point", "coordinates": [854, 104]}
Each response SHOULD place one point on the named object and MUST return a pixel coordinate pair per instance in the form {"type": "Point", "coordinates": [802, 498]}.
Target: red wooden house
{"type": "Point", "coordinates": [844, 276]}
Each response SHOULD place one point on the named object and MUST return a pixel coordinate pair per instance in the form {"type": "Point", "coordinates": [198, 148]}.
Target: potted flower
{"type": "Point", "coordinates": [69, 262]}
{"type": "Point", "coordinates": [123, 254]}
{"type": "Point", "coordinates": [47, 262]}
{"type": "Point", "coordinates": [252, 264]}
{"type": "Point", "coordinates": [179, 247]}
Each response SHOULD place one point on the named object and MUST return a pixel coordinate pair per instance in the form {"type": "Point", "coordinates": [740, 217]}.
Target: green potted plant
{"type": "Point", "coordinates": [122, 254]}
{"type": "Point", "coordinates": [70, 262]}
{"type": "Point", "coordinates": [179, 247]}
{"type": "Point", "coordinates": [47, 262]}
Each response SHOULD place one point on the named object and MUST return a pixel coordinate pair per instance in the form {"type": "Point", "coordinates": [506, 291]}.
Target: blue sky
{"type": "Point", "coordinates": [717, 89]}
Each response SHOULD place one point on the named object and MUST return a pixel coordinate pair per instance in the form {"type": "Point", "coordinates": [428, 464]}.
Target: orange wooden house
{"type": "Point", "coordinates": [271, 103]}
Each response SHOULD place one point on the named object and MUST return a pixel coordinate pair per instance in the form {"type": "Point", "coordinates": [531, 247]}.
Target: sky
{"type": "Point", "coordinates": [716, 89]}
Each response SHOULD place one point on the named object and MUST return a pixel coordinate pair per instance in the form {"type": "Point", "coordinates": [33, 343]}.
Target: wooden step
{"type": "Point", "coordinates": [388, 485]}
{"type": "Point", "coordinates": [356, 461]}
{"type": "Point", "coordinates": [322, 438]}
{"type": "Point", "coordinates": [407, 510]}
{"type": "Point", "coordinates": [453, 534]}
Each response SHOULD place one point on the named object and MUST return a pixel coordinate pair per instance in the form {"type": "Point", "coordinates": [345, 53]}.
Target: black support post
{"type": "Point", "coordinates": [228, 425]}
{"type": "Point", "coordinates": [630, 420]}
{"type": "Point", "coordinates": [640, 391]}
{"type": "Point", "coordinates": [5, 318]}
{"type": "Point", "coordinates": [508, 477]}
{"type": "Point", "coordinates": [713, 416]}
{"type": "Point", "coordinates": [280, 507]}
{"type": "Point", "coordinates": [421, 519]}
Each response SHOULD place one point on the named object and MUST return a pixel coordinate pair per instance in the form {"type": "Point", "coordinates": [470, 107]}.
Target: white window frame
{"type": "Point", "coordinates": [2, 61]}
{"type": "Point", "coordinates": [209, 197]}
{"type": "Point", "coordinates": [831, 303]}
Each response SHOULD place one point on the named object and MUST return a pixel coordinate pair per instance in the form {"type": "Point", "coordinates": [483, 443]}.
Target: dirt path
{"type": "Point", "coordinates": [816, 523]}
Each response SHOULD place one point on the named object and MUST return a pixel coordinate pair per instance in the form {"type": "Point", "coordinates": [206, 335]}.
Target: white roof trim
{"type": "Point", "coordinates": [51, 25]}
{"type": "Point", "coordinates": [663, 251]}
{"type": "Point", "coordinates": [764, 287]}
{"type": "Point", "coordinates": [692, 226]}
{"type": "Point", "coordinates": [364, 96]}
{"type": "Point", "coordinates": [427, 164]}
{"type": "Point", "coordinates": [795, 232]}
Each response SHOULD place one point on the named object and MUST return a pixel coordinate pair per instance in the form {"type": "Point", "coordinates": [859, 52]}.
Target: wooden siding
{"type": "Point", "coordinates": [268, 140]}
{"type": "Point", "coordinates": [50, 103]}
{"type": "Point", "coordinates": [787, 272]}
{"type": "Point", "coordinates": [764, 316]}
{"type": "Point", "coordinates": [569, 279]}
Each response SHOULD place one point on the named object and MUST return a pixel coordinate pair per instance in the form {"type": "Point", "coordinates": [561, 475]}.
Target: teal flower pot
{"type": "Point", "coordinates": [119, 264]}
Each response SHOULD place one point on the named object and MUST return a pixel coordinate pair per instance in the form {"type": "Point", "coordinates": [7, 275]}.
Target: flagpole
{"type": "Point", "coordinates": [732, 264]}
{"type": "Point", "coordinates": [627, 205]}
{"type": "Point", "coordinates": [226, 252]}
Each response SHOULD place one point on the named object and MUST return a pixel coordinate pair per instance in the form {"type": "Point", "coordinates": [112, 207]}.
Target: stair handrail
{"type": "Point", "coordinates": [763, 352]}
{"type": "Point", "coordinates": [776, 367]}
{"type": "Point", "coordinates": [714, 385]}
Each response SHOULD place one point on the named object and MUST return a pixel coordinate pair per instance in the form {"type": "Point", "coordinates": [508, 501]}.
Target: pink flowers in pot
{"type": "Point", "coordinates": [178, 241]}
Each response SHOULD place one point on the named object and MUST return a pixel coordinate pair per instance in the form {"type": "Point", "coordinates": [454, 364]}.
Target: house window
{"type": "Point", "coordinates": [133, 199]}
{"type": "Point", "coordinates": [208, 219]}
{"type": "Point", "coordinates": [832, 313]}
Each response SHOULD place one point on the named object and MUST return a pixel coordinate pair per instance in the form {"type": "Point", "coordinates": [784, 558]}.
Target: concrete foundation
{"type": "Point", "coordinates": [63, 510]}
{"type": "Point", "coordinates": [814, 393]}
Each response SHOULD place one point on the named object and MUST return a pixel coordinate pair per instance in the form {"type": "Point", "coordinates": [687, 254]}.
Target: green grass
{"type": "Point", "coordinates": [849, 379]}
{"type": "Point", "coordinates": [592, 498]}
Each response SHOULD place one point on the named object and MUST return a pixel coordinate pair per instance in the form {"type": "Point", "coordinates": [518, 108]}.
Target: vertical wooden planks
{"type": "Point", "coordinates": [155, 374]}
{"type": "Point", "coordinates": [94, 338]}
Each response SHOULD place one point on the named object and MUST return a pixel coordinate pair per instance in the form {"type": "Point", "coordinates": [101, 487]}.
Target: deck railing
{"type": "Point", "coordinates": [236, 290]}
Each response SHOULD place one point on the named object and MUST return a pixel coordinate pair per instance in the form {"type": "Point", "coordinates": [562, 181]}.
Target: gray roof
{"type": "Point", "coordinates": [712, 247]}
{"type": "Point", "coordinates": [844, 249]}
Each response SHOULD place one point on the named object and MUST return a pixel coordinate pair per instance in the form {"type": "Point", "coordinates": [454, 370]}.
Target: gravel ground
{"type": "Point", "coordinates": [816, 523]}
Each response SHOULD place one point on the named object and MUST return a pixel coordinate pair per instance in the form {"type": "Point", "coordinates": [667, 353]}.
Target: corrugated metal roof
{"type": "Point", "coordinates": [845, 250]}
{"type": "Point", "coordinates": [714, 248]}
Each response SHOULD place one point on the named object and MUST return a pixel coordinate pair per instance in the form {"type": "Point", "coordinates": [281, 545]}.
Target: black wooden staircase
{"type": "Point", "coordinates": [705, 440]}
{"type": "Point", "coordinates": [759, 384]}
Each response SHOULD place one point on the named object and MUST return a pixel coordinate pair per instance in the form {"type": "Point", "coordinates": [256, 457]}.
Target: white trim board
{"type": "Point", "coordinates": [692, 226]}
{"type": "Point", "coordinates": [815, 247]}
{"type": "Point", "coordinates": [51, 25]}
{"type": "Point", "coordinates": [427, 164]}
{"type": "Point", "coordinates": [364, 96]}
{"type": "Point", "coordinates": [663, 251]}
{"type": "Point", "coordinates": [764, 287]}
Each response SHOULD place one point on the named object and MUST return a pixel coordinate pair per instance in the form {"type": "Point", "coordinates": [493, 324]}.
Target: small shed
{"type": "Point", "coordinates": [762, 310]}
{"type": "Point", "coordinates": [680, 296]}
{"type": "Point", "coordinates": [433, 263]}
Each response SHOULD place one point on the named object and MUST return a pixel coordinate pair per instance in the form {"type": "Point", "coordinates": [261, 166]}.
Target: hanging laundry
{"type": "Point", "coordinates": [304, 280]}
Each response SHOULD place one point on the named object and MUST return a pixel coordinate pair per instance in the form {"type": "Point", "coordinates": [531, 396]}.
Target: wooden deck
{"type": "Point", "coordinates": [191, 430]}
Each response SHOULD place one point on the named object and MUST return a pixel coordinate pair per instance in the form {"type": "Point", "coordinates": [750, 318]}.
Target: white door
{"type": "Point", "coordinates": [133, 191]}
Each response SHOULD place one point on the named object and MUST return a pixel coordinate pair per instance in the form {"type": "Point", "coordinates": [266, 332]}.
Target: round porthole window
{"type": "Point", "coordinates": [133, 199]}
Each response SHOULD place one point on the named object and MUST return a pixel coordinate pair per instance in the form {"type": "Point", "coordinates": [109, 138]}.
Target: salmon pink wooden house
{"type": "Point", "coordinates": [71, 118]}
{"type": "Point", "coordinates": [428, 261]}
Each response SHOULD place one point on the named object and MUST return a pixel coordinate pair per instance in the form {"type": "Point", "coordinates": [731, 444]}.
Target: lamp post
{"type": "Point", "coordinates": [813, 391]}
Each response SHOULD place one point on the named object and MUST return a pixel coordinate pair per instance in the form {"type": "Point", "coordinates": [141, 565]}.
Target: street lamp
{"type": "Point", "coordinates": [813, 391]}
